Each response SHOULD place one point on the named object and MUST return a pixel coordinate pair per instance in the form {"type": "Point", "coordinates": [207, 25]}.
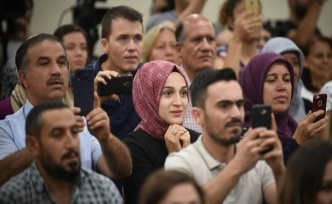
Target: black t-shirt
{"type": "Point", "coordinates": [148, 154]}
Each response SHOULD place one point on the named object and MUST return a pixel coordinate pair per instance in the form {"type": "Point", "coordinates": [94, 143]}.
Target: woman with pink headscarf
{"type": "Point", "coordinates": [160, 95]}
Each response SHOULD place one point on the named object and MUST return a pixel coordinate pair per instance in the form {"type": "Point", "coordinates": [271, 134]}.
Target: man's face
{"type": "Point", "coordinates": [124, 45]}
{"type": "Point", "coordinates": [223, 114]}
{"type": "Point", "coordinates": [59, 153]}
{"type": "Point", "coordinates": [198, 49]}
{"type": "Point", "coordinates": [47, 76]}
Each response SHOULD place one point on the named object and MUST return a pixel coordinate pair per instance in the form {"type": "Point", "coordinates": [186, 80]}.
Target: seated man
{"type": "Point", "coordinates": [56, 174]}
{"type": "Point", "coordinates": [44, 72]}
{"type": "Point", "coordinates": [230, 173]}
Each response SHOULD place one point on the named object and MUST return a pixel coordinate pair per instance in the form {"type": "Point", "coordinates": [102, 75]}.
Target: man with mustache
{"type": "Point", "coordinates": [55, 175]}
{"type": "Point", "coordinates": [43, 70]}
{"type": "Point", "coordinates": [196, 45]}
{"type": "Point", "coordinates": [229, 173]}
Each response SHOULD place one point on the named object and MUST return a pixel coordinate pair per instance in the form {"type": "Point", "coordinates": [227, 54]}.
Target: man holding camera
{"type": "Point", "coordinates": [43, 70]}
{"type": "Point", "coordinates": [122, 35]}
{"type": "Point", "coordinates": [229, 173]}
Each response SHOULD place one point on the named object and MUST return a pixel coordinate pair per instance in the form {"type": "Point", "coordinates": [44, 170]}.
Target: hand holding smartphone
{"type": "Point", "coordinates": [319, 103]}
{"type": "Point", "coordinates": [261, 117]}
{"type": "Point", "coordinates": [252, 6]}
{"type": "Point", "coordinates": [83, 87]}
{"type": "Point", "coordinates": [122, 84]}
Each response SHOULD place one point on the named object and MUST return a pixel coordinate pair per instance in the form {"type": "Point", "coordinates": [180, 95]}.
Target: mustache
{"type": "Point", "coordinates": [70, 154]}
{"type": "Point", "coordinates": [54, 79]}
{"type": "Point", "coordinates": [234, 121]}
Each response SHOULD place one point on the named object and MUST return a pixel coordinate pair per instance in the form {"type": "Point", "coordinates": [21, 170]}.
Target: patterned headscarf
{"type": "Point", "coordinates": [147, 90]}
{"type": "Point", "coordinates": [252, 79]}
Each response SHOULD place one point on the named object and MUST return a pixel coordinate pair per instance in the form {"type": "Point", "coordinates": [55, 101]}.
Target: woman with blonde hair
{"type": "Point", "coordinates": [159, 43]}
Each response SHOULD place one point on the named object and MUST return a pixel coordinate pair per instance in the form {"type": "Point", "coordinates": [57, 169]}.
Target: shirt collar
{"type": "Point", "coordinates": [207, 157]}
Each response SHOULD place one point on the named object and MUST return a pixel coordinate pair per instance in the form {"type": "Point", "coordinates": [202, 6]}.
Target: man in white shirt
{"type": "Point", "coordinates": [229, 173]}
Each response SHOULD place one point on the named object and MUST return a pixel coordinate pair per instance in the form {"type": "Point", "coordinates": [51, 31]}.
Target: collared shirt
{"type": "Point", "coordinates": [12, 138]}
{"type": "Point", "coordinates": [29, 187]}
{"type": "Point", "coordinates": [189, 120]}
{"type": "Point", "coordinates": [200, 164]}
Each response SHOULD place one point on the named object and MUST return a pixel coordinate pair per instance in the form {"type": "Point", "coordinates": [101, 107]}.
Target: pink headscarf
{"type": "Point", "coordinates": [148, 85]}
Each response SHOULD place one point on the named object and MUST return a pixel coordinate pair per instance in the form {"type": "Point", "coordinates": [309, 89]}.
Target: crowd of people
{"type": "Point", "coordinates": [185, 133]}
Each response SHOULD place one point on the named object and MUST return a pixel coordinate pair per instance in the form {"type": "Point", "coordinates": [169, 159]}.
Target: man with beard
{"type": "Point", "coordinates": [229, 173]}
{"type": "Point", "coordinates": [301, 25]}
{"type": "Point", "coordinates": [43, 70]}
{"type": "Point", "coordinates": [56, 175]}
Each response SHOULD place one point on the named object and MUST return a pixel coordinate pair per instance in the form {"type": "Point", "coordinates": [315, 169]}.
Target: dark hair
{"type": "Point", "coordinates": [61, 31]}
{"type": "Point", "coordinates": [323, 39]}
{"type": "Point", "coordinates": [204, 79]}
{"type": "Point", "coordinates": [72, 28]}
{"type": "Point", "coordinates": [179, 35]}
{"type": "Point", "coordinates": [305, 171]}
{"type": "Point", "coordinates": [34, 121]}
{"type": "Point", "coordinates": [161, 182]}
{"type": "Point", "coordinates": [117, 12]}
{"type": "Point", "coordinates": [21, 59]}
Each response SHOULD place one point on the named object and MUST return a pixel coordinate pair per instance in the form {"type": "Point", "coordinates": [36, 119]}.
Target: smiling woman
{"type": "Point", "coordinates": [160, 95]}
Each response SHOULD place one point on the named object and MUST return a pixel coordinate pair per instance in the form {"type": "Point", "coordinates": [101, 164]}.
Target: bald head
{"type": "Point", "coordinates": [196, 44]}
{"type": "Point", "coordinates": [190, 22]}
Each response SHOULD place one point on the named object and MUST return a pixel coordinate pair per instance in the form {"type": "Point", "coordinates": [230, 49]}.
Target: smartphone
{"type": "Point", "coordinates": [122, 84]}
{"type": "Point", "coordinates": [253, 6]}
{"type": "Point", "coordinates": [83, 88]}
{"type": "Point", "coordinates": [261, 116]}
{"type": "Point", "coordinates": [319, 103]}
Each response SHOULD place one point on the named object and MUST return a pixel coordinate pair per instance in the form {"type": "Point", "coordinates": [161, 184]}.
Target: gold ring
{"type": "Point", "coordinates": [174, 132]}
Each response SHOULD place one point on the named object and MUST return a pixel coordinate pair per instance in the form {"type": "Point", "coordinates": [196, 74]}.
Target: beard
{"type": "Point", "coordinates": [58, 171]}
{"type": "Point", "coordinates": [236, 134]}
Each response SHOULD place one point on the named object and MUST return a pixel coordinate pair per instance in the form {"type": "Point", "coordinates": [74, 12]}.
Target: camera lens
{"type": "Point", "coordinates": [320, 103]}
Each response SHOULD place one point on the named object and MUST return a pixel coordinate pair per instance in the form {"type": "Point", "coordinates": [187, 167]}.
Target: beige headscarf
{"type": "Point", "coordinates": [19, 98]}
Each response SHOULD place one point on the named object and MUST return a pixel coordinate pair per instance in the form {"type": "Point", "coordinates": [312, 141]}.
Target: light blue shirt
{"type": "Point", "coordinates": [12, 138]}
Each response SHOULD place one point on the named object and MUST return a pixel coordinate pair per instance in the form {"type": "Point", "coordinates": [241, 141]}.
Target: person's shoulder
{"type": "Point", "coordinates": [98, 180]}
{"type": "Point", "coordinates": [15, 185]}
{"type": "Point", "coordinates": [103, 187]}
{"type": "Point", "coordinates": [193, 135]}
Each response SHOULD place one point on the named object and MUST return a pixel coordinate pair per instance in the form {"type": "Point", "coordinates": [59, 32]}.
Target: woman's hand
{"type": "Point", "coordinates": [308, 129]}
{"type": "Point", "coordinates": [176, 138]}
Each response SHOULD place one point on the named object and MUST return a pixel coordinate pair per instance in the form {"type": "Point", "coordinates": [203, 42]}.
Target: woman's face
{"type": "Point", "coordinates": [174, 99]}
{"type": "Point", "coordinates": [295, 62]}
{"type": "Point", "coordinates": [277, 88]}
{"type": "Point", "coordinates": [182, 194]}
{"type": "Point", "coordinates": [165, 47]}
{"type": "Point", "coordinates": [324, 195]}
{"type": "Point", "coordinates": [76, 48]}
{"type": "Point", "coordinates": [319, 59]}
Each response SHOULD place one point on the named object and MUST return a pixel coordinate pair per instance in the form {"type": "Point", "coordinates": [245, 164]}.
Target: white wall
{"type": "Point", "coordinates": [46, 13]}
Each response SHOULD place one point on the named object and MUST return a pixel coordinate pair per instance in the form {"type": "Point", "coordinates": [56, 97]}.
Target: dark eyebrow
{"type": "Point", "coordinates": [43, 58]}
